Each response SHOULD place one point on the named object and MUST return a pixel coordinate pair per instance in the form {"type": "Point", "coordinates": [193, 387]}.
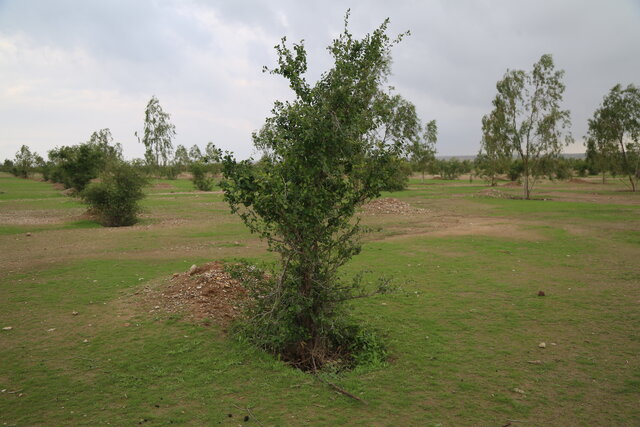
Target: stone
{"type": "Point", "coordinates": [193, 270]}
{"type": "Point", "coordinates": [542, 345]}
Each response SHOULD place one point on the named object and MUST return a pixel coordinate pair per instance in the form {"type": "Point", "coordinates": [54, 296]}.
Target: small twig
{"type": "Point", "coordinates": [340, 390]}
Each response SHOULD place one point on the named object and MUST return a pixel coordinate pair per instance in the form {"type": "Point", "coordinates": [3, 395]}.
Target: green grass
{"type": "Point", "coordinates": [461, 332]}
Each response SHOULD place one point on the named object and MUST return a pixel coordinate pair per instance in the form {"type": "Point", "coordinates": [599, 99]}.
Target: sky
{"type": "Point", "coordinates": [71, 67]}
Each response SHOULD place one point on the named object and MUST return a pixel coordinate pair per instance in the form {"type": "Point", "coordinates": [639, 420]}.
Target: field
{"type": "Point", "coordinates": [87, 346]}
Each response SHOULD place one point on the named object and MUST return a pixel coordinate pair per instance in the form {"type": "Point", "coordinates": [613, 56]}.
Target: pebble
{"type": "Point", "coordinates": [7, 328]}
{"type": "Point", "coordinates": [542, 345]}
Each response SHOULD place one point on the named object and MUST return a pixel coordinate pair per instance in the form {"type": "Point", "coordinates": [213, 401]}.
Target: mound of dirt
{"type": "Point", "coordinates": [205, 292]}
{"type": "Point", "coordinates": [389, 205]}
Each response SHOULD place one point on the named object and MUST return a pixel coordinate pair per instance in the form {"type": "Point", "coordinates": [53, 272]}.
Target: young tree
{"type": "Point", "coordinates": [614, 131]}
{"type": "Point", "coordinates": [423, 151]}
{"type": "Point", "coordinates": [326, 152]}
{"type": "Point", "coordinates": [158, 133]}
{"type": "Point", "coordinates": [24, 162]}
{"type": "Point", "coordinates": [115, 198]}
{"type": "Point", "coordinates": [528, 118]}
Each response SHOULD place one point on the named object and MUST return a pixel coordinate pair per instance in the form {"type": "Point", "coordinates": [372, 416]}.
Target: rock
{"type": "Point", "coordinates": [28, 234]}
{"type": "Point", "coordinates": [7, 328]}
{"type": "Point", "coordinates": [85, 341]}
{"type": "Point", "coordinates": [535, 362]}
{"type": "Point", "coordinates": [74, 313]}
{"type": "Point", "coordinates": [176, 274]}
{"type": "Point", "coordinates": [542, 345]}
{"type": "Point", "coordinates": [519, 390]}
{"type": "Point", "coordinates": [193, 270]}
{"type": "Point", "coordinates": [540, 293]}
{"type": "Point", "coordinates": [51, 330]}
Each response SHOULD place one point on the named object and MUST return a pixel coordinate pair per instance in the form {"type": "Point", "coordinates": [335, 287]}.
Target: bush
{"type": "Point", "coordinates": [201, 178]}
{"type": "Point", "coordinates": [115, 198]}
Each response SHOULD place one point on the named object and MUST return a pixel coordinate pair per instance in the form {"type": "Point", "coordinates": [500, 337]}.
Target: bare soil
{"type": "Point", "coordinates": [205, 293]}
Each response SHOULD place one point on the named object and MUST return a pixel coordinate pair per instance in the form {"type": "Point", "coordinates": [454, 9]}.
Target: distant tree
{"type": "Point", "coordinates": [450, 169]}
{"type": "Point", "coordinates": [213, 158]}
{"type": "Point", "coordinates": [614, 132]}
{"type": "Point", "coordinates": [75, 166]}
{"type": "Point", "coordinates": [7, 166]}
{"type": "Point", "coordinates": [158, 133]}
{"type": "Point", "coordinates": [181, 157]}
{"type": "Point", "coordinates": [24, 162]}
{"type": "Point", "coordinates": [328, 151]}
{"type": "Point", "coordinates": [195, 155]}
{"type": "Point", "coordinates": [527, 118]}
{"type": "Point", "coordinates": [422, 151]}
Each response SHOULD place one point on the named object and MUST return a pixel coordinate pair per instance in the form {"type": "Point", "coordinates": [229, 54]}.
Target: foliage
{"type": "Point", "coordinates": [24, 162]}
{"type": "Point", "coordinates": [158, 133]}
{"type": "Point", "coordinates": [195, 155]}
{"type": "Point", "coordinates": [115, 198]}
{"type": "Point", "coordinates": [450, 168]}
{"type": "Point", "coordinates": [495, 155]}
{"type": "Point", "coordinates": [614, 133]}
{"type": "Point", "coordinates": [181, 157]}
{"type": "Point", "coordinates": [527, 119]}
{"type": "Point", "coordinates": [200, 176]}
{"type": "Point", "coordinates": [75, 166]}
{"type": "Point", "coordinates": [398, 173]}
{"type": "Point", "coordinates": [515, 170]}
{"type": "Point", "coordinates": [326, 152]}
{"type": "Point", "coordinates": [422, 151]}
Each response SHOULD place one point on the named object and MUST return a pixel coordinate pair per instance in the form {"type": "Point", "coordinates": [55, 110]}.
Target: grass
{"type": "Point", "coordinates": [461, 334]}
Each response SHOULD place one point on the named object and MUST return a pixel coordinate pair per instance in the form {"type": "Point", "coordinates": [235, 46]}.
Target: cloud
{"type": "Point", "coordinates": [69, 67]}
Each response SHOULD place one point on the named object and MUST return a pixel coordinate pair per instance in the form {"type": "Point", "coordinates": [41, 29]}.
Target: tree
{"type": "Point", "coordinates": [158, 133]}
{"type": "Point", "coordinates": [24, 162]}
{"type": "Point", "coordinates": [614, 132]}
{"type": "Point", "coordinates": [527, 118]}
{"type": "Point", "coordinates": [195, 155]}
{"type": "Point", "coordinates": [75, 166]}
{"type": "Point", "coordinates": [181, 157]}
{"type": "Point", "coordinates": [326, 152]}
{"type": "Point", "coordinates": [423, 151]}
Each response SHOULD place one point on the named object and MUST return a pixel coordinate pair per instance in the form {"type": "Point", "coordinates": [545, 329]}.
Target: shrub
{"type": "Point", "coordinates": [201, 178]}
{"type": "Point", "coordinates": [115, 198]}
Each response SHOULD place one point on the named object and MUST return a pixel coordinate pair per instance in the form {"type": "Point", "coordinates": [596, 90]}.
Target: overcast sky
{"type": "Point", "coordinates": [68, 68]}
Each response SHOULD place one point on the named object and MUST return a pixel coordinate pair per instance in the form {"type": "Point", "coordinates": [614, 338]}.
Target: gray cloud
{"type": "Point", "coordinates": [71, 67]}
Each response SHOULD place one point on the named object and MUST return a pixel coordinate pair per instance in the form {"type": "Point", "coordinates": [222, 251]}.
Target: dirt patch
{"type": "Point", "coordinates": [162, 185]}
{"type": "Point", "coordinates": [205, 293]}
{"type": "Point", "coordinates": [511, 184]}
{"type": "Point", "coordinates": [390, 206]}
{"type": "Point", "coordinates": [579, 181]}
{"type": "Point", "coordinates": [37, 216]}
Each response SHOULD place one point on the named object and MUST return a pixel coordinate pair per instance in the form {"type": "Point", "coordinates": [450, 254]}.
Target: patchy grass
{"type": "Point", "coordinates": [462, 333]}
